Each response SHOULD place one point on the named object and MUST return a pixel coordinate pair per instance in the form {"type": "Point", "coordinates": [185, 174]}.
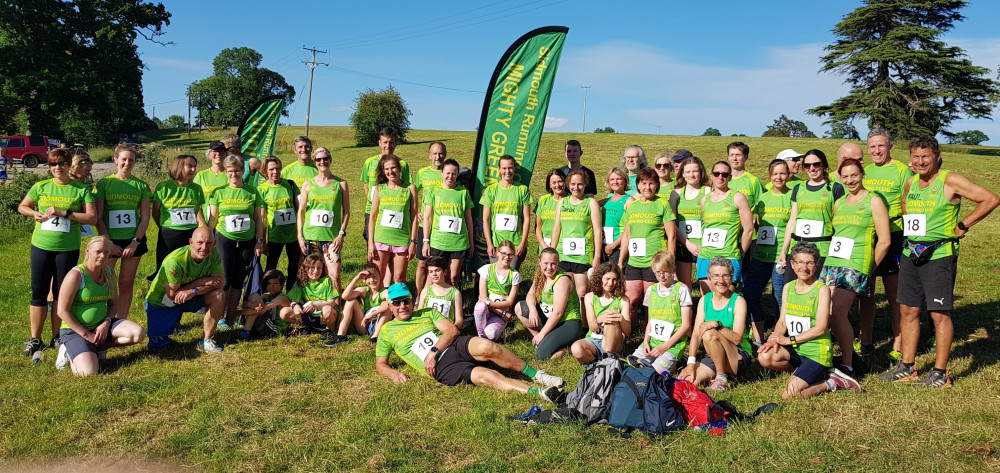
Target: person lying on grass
{"type": "Point", "coordinates": [268, 304]}
{"type": "Point", "coordinates": [365, 306]}
{"type": "Point", "coordinates": [314, 299]}
{"type": "Point", "coordinates": [430, 343]}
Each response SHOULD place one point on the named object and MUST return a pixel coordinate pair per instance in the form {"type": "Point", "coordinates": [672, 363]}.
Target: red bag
{"type": "Point", "coordinates": [697, 407]}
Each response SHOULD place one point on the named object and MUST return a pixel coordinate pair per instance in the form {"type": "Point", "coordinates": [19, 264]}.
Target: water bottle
{"type": "Point", "coordinates": [37, 357]}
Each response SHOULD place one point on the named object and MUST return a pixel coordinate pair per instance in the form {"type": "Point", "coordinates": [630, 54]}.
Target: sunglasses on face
{"type": "Point", "coordinates": [322, 160]}
{"type": "Point", "coordinates": [721, 174]}
{"type": "Point", "coordinates": [401, 302]}
{"type": "Point", "coordinates": [663, 165]}
{"type": "Point", "coordinates": [60, 164]}
{"type": "Point", "coordinates": [816, 164]}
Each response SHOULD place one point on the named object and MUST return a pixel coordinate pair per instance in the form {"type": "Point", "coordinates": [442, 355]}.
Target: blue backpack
{"type": "Point", "coordinates": [627, 400]}
{"type": "Point", "coordinates": [660, 414]}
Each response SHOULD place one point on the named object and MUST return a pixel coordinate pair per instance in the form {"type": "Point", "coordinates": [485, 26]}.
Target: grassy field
{"type": "Point", "coordinates": [290, 405]}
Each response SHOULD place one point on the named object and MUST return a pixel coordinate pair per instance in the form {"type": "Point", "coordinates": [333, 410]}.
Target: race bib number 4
{"type": "Point", "coordinates": [808, 228]}
{"type": "Point", "coordinates": [321, 218]}
{"type": "Point", "coordinates": [714, 238]}
{"type": "Point", "coordinates": [121, 219]}
{"type": "Point", "coordinates": [691, 228]}
{"type": "Point", "coordinates": [392, 219]}
{"type": "Point", "coordinates": [56, 224]}
{"type": "Point", "coordinates": [841, 247]}
{"type": "Point", "coordinates": [660, 329]}
{"type": "Point", "coordinates": [915, 225]}
{"type": "Point", "coordinates": [796, 324]}
{"type": "Point", "coordinates": [637, 247]}
{"type": "Point", "coordinates": [767, 236]}
{"type": "Point", "coordinates": [449, 224]}
{"type": "Point", "coordinates": [440, 305]}
{"type": "Point", "coordinates": [284, 217]}
{"type": "Point", "coordinates": [182, 216]}
{"type": "Point", "coordinates": [506, 222]}
{"type": "Point", "coordinates": [237, 223]}
{"type": "Point", "coordinates": [423, 345]}
{"type": "Point", "coordinates": [575, 246]}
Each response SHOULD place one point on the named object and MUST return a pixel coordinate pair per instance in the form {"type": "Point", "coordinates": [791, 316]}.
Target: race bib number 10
{"type": "Point", "coordinates": [797, 325]}
{"type": "Point", "coordinates": [321, 218]}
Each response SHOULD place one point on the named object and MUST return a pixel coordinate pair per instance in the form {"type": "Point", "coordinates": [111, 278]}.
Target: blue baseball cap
{"type": "Point", "coordinates": [399, 291]}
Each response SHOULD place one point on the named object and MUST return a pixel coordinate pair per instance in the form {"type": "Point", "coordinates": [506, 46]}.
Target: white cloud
{"type": "Point", "coordinates": [554, 123]}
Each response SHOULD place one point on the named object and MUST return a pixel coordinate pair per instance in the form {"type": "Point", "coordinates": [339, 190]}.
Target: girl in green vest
{"type": "Point", "coordinates": [811, 218]}
{"type": "Point", "coordinates": [498, 284]}
{"type": "Point", "coordinates": [612, 209]}
{"type": "Point", "coordinates": [577, 231]}
{"type": "Point", "coordinates": [545, 208]}
{"type": "Point", "coordinates": [365, 303]}
{"type": "Point", "coordinates": [800, 343]}
{"type": "Point", "coordinates": [392, 223]}
{"type": "Point", "coordinates": [859, 219]}
{"type": "Point", "coordinates": [669, 306]}
{"type": "Point", "coordinates": [609, 318]}
{"type": "Point", "coordinates": [551, 312]}
{"type": "Point", "coordinates": [685, 201]}
{"type": "Point", "coordinates": [314, 300]}
{"type": "Point", "coordinates": [663, 165]}
{"type": "Point", "coordinates": [439, 294]}
{"type": "Point", "coordinates": [324, 211]}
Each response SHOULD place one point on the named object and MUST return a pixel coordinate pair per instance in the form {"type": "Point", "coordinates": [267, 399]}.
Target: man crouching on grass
{"type": "Point", "coordinates": [430, 343]}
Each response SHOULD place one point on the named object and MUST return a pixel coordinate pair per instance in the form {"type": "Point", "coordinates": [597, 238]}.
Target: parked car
{"type": "Point", "coordinates": [27, 150]}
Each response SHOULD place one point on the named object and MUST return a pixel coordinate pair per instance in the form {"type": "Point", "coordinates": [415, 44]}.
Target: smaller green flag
{"type": "Point", "coordinates": [259, 130]}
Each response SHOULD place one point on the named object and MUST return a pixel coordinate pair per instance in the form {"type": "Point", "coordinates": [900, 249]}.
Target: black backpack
{"type": "Point", "coordinates": [660, 415]}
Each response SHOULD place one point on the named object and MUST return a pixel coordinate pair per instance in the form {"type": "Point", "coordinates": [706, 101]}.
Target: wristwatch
{"type": "Point", "coordinates": [435, 350]}
{"type": "Point", "coordinates": [962, 226]}
{"type": "Point", "coordinates": [137, 240]}
{"type": "Point", "coordinates": [794, 343]}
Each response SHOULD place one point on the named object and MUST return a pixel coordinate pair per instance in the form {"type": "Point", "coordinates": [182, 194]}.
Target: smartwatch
{"type": "Point", "coordinates": [962, 226]}
{"type": "Point", "coordinates": [435, 350]}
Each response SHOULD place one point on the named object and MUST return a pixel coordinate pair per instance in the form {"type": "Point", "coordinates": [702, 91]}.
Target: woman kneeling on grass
{"type": "Point", "coordinates": [668, 303]}
{"type": "Point", "coordinates": [608, 316]}
{"type": "Point", "coordinates": [721, 326]}
{"type": "Point", "coordinates": [551, 311]}
{"type": "Point", "coordinates": [801, 341]}
{"type": "Point", "coordinates": [498, 284]}
{"type": "Point", "coordinates": [365, 305]}
{"type": "Point", "coordinates": [86, 298]}
{"type": "Point", "coordinates": [314, 300]}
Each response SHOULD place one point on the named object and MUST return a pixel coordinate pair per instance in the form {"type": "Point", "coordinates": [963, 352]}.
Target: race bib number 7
{"type": "Point", "coordinates": [506, 222]}
{"type": "Point", "coordinates": [449, 224]}
{"type": "Point", "coordinates": [423, 345]}
{"type": "Point", "coordinates": [392, 219]}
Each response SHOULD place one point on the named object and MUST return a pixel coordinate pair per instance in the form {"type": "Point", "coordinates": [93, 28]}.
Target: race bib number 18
{"type": "Point", "coordinates": [915, 225]}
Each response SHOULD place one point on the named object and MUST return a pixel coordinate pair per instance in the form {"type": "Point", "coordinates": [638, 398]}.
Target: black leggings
{"type": "Point", "coordinates": [169, 240]}
{"type": "Point", "coordinates": [48, 269]}
{"type": "Point", "coordinates": [236, 258]}
{"type": "Point", "coordinates": [294, 254]}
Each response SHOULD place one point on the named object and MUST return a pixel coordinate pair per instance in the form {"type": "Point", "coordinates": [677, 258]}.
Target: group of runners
{"type": "Point", "coordinates": [608, 263]}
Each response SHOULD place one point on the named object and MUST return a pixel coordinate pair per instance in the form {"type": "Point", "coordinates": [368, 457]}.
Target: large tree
{"type": "Point", "coordinates": [378, 109]}
{"type": "Point", "coordinates": [785, 127]}
{"type": "Point", "coordinates": [69, 69]}
{"type": "Point", "coordinates": [236, 83]}
{"type": "Point", "coordinates": [902, 76]}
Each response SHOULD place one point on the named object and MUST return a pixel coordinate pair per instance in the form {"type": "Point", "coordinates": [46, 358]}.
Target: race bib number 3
{"type": "Point", "coordinates": [546, 309]}
{"type": "Point", "coordinates": [714, 238]}
{"type": "Point", "coordinates": [767, 236]}
{"type": "Point", "coordinates": [796, 324]}
{"type": "Point", "coordinates": [808, 228]}
{"type": "Point", "coordinates": [321, 218]}
{"type": "Point", "coordinates": [660, 329]}
{"type": "Point", "coordinates": [423, 345]}
{"type": "Point", "coordinates": [449, 224]}
{"type": "Point", "coordinates": [637, 247]}
{"type": "Point", "coordinates": [56, 224]}
{"type": "Point", "coordinates": [237, 223]}
{"type": "Point", "coordinates": [574, 246]}
{"type": "Point", "coordinates": [182, 216]}
{"type": "Point", "coordinates": [284, 217]}
{"type": "Point", "coordinates": [392, 219]}
{"type": "Point", "coordinates": [506, 222]}
{"type": "Point", "coordinates": [440, 305]}
{"type": "Point", "coordinates": [841, 247]}
{"type": "Point", "coordinates": [691, 228]}
{"type": "Point", "coordinates": [915, 225]}
{"type": "Point", "coordinates": [121, 219]}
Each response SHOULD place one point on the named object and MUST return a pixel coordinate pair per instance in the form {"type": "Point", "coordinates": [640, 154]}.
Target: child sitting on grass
{"type": "Point", "coordinates": [314, 299]}
{"type": "Point", "coordinates": [267, 304]}
{"type": "Point", "coordinates": [498, 284]}
{"type": "Point", "coordinates": [439, 294]}
{"type": "Point", "coordinates": [670, 318]}
{"type": "Point", "coordinates": [608, 316]}
{"type": "Point", "coordinates": [365, 305]}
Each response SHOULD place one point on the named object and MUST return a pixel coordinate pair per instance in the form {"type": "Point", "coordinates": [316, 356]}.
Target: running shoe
{"type": "Point", "coordinates": [719, 385]}
{"type": "Point", "coordinates": [845, 380]}
{"type": "Point", "coordinates": [32, 345]}
{"type": "Point", "coordinates": [934, 379]}
{"type": "Point", "coordinates": [896, 355]}
{"type": "Point", "coordinates": [899, 373]}
{"type": "Point", "coordinates": [333, 340]}
{"type": "Point", "coordinates": [553, 395]}
{"type": "Point", "coordinates": [548, 380]}
{"type": "Point", "coordinates": [62, 359]}
{"type": "Point", "coordinates": [224, 324]}
{"type": "Point", "coordinates": [835, 384]}
{"type": "Point", "coordinates": [55, 343]}
{"type": "Point", "coordinates": [209, 346]}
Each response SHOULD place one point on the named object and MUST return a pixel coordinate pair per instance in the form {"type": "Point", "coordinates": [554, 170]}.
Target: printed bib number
{"type": "Point", "coordinates": [546, 309]}
{"type": "Point", "coordinates": [637, 247]}
{"type": "Point", "coordinates": [691, 228]}
{"type": "Point", "coordinates": [497, 297]}
{"type": "Point", "coordinates": [808, 228]}
{"type": "Point", "coordinates": [547, 240]}
{"type": "Point", "coordinates": [392, 219]}
{"type": "Point", "coordinates": [237, 223]}
{"type": "Point", "coordinates": [609, 235]}
{"type": "Point", "coordinates": [284, 217]}
{"type": "Point", "coordinates": [767, 236]}
{"type": "Point", "coordinates": [449, 224]}
{"type": "Point", "coordinates": [841, 247]}
{"type": "Point", "coordinates": [574, 246]}
{"type": "Point", "coordinates": [423, 345]}
{"type": "Point", "coordinates": [121, 219]}
{"type": "Point", "coordinates": [56, 224]}
{"type": "Point", "coordinates": [321, 218]}
{"type": "Point", "coordinates": [182, 216]}
{"type": "Point", "coordinates": [440, 305]}
{"type": "Point", "coordinates": [796, 324]}
{"type": "Point", "coordinates": [915, 225]}
{"type": "Point", "coordinates": [167, 301]}
{"type": "Point", "coordinates": [660, 329]}
{"type": "Point", "coordinates": [506, 222]}
{"type": "Point", "coordinates": [714, 238]}
{"type": "Point", "coordinates": [87, 230]}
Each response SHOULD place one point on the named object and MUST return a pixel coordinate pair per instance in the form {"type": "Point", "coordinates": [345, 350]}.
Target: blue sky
{"type": "Point", "coordinates": [653, 67]}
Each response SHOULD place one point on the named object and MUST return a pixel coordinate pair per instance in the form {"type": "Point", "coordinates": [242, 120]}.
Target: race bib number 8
{"type": "Point", "coordinates": [182, 216]}
{"type": "Point", "coordinates": [575, 246]}
{"type": "Point", "coordinates": [841, 247]}
{"type": "Point", "coordinates": [440, 305]}
{"type": "Point", "coordinates": [915, 225]}
{"type": "Point", "coordinates": [714, 238]}
{"type": "Point", "coordinates": [56, 224]}
{"type": "Point", "coordinates": [392, 219]}
{"type": "Point", "coordinates": [321, 218]}
{"type": "Point", "coordinates": [284, 217]}
{"type": "Point", "coordinates": [691, 228]}
{"type": "Point", "coordinates": [767, 236]}
{"type": "Point", "coordinates": [449, 224]}
{"type": "Point", "coordinates": [237, 223]}
{"type": "Point", "coordinates": [796, 324]}
{"type": "Point", "coordinates": [808, 228]}
{"type": "Point", "coordinates": [423, 345]}
{"type": "Point", "coordinates": [637, 247]}
{"type": "Point", "coordinates": [506, 222]}
{"type": "Point", "coordinates": [660, 329]}
{"type": "Point", "coordinates": [121, 219]}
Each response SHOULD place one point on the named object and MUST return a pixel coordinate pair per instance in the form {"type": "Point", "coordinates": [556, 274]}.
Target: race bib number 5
{"type": "Point", "coordinates": [915, 225]}
{"type": "Point", "coordinates": [423, 345]}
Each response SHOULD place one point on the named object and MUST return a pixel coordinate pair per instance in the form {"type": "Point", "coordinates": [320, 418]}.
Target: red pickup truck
{"type": "Point", "coordinates": [27, 150]}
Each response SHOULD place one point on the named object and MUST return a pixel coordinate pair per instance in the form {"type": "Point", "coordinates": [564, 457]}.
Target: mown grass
{"type": "Point", "coordinates": [289, 405]}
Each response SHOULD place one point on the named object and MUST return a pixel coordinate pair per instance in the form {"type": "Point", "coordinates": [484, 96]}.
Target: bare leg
{"type": "Point", "coordinates": [352, 312]}
{"type": "Point", "coordinates": [383, 267]}
{"type": "Point", "coordinates": [421, 274]}
{"type": "Point", "coordinates": [125, 334]}
{"type": "Point", "coordinates": [944, 331]}
{"type": "Point", "coordinates": [776, 360]}
{"type": "Point", "coordinates": [891, 283]}
{"type": "Point", "coordinates": [722, 352]}
{"type": "Point", "coordinates": [490, 378]}
{"type": "Point", "coordinates": [684, 274]}
{"type": "Point", "coordinates": [840, 326]}
{"type": "Point", "coordinates": [524, 320]}
{"type": "Point", "coordinates": [584, 351]}
{"type": "Point", "coordinates": [613, 338]}
{"type": "Point", "coordinates": [85, 364]}
{"type": "Point", "coordinates": [455, 271]}
{"type": "Point", "coordinates": [126, 286]}
{"type": "Point", "coordinates": [866, 313]}
{"type": "Point", "coordinates": [216, 302]}
{"type": "Point", "coordinates": [909, 329]}
{"type": "Point", "coordinates": [399, 265]}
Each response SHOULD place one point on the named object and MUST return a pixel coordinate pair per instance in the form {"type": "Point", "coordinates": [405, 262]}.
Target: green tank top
{"type": "Point", "coordinates": [611, 214]}
{"type": "Point", "coordinates": [392, 224]}
{"type": "Point", "coordinates": [614, 306]}
{"type": "Point", "coordinates": [281, 217]}
{"type": "Point", "coordinates": [930, 216]}
{"type": "Point", "coordinates": [572, 311]}
{"type": "Point", "coordinates": [887, 181]}
{"type": "Point", "coordinates": [371, 300]}
{"type": "Point", "coordinates": [90, 305]}
{"type": "Point", "coordinates": [444, 304]}
{"type": "Point", "coordinates": [800, 315]}
{"type": "Point", "coordinates": [722, 230]}
{"type": "Point", "coordinates": [853, 243]}
{"type": "Point", "coordinates": [576, 234]}
{"type": "Point", "coordinates": [496, 288]}
{"type": "Point", "coordinates": [726, 315]}
{"type": "Point", "coordinates": [645, 226]}
{"type": "Point", "coordinates": [689, 213]}
{"type": "Point", "coordinates": [545, 209]}
{"type": "Point", "coordinates": [324, 212]}
{"type": "Point", "coordinates": [773, 209]}
{"type": "Point", "coordinates": [815, 217]}
{"type": "Point", "coordinates": [665, 318]}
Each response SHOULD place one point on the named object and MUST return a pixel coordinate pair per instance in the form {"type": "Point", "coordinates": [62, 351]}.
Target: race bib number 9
{"type": "Point", "coordinates": [121, 219]}
{"type": "Point", "coordinates": [449, 224]}
{"type": "Point", "coordinates": [691, 228]}
{"type": "Point", "coordinates": [440, 305]}
{"type": "Point", "coordinates": [284, 217]}
{"type": "Point", "coordinates": [796, 324]}
{"type": "Point", "coordinates": [506, 222]}
{"type": "Point", "coordinates": [182, 216]}
{"type": "Point", "coordinates": [767, 236]}
{"type": "Point", "coordinates": [321, 218]}
{"type": "Point", "coordinates": [841, 247]}
{"type": "Point", "coordinates": [714, 238]}
{"type": "Point", "coordinates": [808, 228]}
{"type": "Point", "coordinates": [392, 219]}
{"type": "Point", "coordinates": [237, 223]}
{"type": "Point", "coordinates": [574, 246]}
{"type": "Point", "coordinates": [660, 329]}
{"type": "Point", "coordinates": [915, 225]}
{"type": "Point", "coordinates": [637, 247]}
{"type": "Point", "coordinates": [423, 345]}
{"type": "Point", "coordinates": [56, 224]}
